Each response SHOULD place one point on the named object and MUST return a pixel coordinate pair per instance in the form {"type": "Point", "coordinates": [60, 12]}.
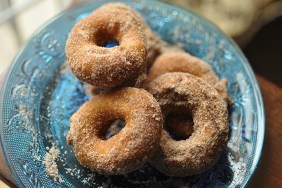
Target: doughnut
{"type": "Point", "coordinates": [93, 61]}
{"type": "Point", "coordinates": [153, 40]}
{"type": "Point", "coordinates": [184, 62]}
{"type": "Point", "coordinates": [155, 45]}
{"type": "Point", "coordinates": [130, 148]}
{"type": "Point", "coordinates": [182, 92]}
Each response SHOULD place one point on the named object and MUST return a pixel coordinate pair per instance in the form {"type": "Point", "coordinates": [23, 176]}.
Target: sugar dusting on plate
{"type": "Point", "coordinates": [50, 163]}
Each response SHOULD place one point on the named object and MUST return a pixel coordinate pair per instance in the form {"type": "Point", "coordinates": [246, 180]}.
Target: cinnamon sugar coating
{"type": "Point", "coordinates": [103, 67]}
{"type": "Point", "coordinates": [184, 62]}
{"type": "Point", "coordinates": [185, 92]}
{"type": "Point", "coordinates": [132, 146]}
{"type": "Point", "coordinates": [155, 45]}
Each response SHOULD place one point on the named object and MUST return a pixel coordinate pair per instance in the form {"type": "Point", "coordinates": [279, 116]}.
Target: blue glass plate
{"type": "Point", "coordinates": [40, 94]}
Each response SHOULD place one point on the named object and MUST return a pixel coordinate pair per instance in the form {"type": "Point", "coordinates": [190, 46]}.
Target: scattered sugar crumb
{"type": "Point", "coordinates": [25, 113]}
{"type": "Point", "coordinates": [50, 163]}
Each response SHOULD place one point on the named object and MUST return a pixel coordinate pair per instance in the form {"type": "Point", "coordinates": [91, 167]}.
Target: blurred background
{"type": "Point", "coordinates": [19, 19]}
{"type": "Point", "coordinates": [255, 25]}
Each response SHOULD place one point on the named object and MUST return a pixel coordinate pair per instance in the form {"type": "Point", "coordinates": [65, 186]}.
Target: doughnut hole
{"type": "Point", "coordinates": [179, 125]}
{"type": "Point", "coordinates": [107, 37]}
{"type": "Point", "coordinates": [112, 128]}
{"type": "Point", "coordinates": [107, 42]}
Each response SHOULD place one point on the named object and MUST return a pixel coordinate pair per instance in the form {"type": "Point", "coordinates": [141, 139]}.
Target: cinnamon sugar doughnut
{"type": "Point", "coordinates": [152, 39]}
{"type": "Point", "coordinates": [184, 62]}
{"type": "Point", "coordinates": [128, 149]}
{"type": "Point", "coordinates": [187, 93]}
{"type": "Point", "coordinates": [155, 45]}
{"type": "Point", "coordinates": [92, 62]}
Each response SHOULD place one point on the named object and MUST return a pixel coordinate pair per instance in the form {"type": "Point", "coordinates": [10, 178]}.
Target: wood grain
{"type": "Point", "coordinates": [269, 170]}
{"type": "Point", "coordinates": [5, 175]}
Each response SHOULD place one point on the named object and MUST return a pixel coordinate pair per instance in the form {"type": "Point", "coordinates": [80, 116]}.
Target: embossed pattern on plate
{"type": "Point", "coordinates": [40, 94]}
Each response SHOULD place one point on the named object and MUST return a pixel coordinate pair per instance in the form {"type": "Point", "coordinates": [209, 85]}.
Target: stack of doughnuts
{"type": "Point", "coordinates": [175, 119]}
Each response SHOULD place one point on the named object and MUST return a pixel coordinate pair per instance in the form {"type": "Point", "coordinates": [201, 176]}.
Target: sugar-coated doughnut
{"type": "Point", "coordinates": [182, 92]}
{"type": "Point", "coordinates": [184, 62]}
{"type": "Point", "coordinates": [128, 149]}
{"type": "Point", "coordinates": [155, 45]}
{"type": "Point", "coordinates": [92, 62]}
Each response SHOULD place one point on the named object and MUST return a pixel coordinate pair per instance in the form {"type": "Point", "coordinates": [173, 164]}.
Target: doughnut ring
{"type": "Point", "coordinates": [182, 92]}
{"type": "Point", "coordinates": [92, 62]}
{"type": "Point", "coordinates": [184, 62]}
{"type": "Point", "coordinates": [130, 148]}
{"type": "Point", "coordinates": [155, 45]}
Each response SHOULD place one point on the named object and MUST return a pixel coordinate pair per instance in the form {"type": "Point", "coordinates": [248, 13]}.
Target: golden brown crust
{"type": "Point", "coordinates": [184, 62]}
{"type": "Point", "coordinates": [154, 42]}
{"type": "Point", "coordinates": [155, 45]}
{"type": "Point", "coordinates": [132, 146]}
{"type": "Point", "coordinates": [185, 92]}
{"type": "Point", "coordinates": [107, 67]}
